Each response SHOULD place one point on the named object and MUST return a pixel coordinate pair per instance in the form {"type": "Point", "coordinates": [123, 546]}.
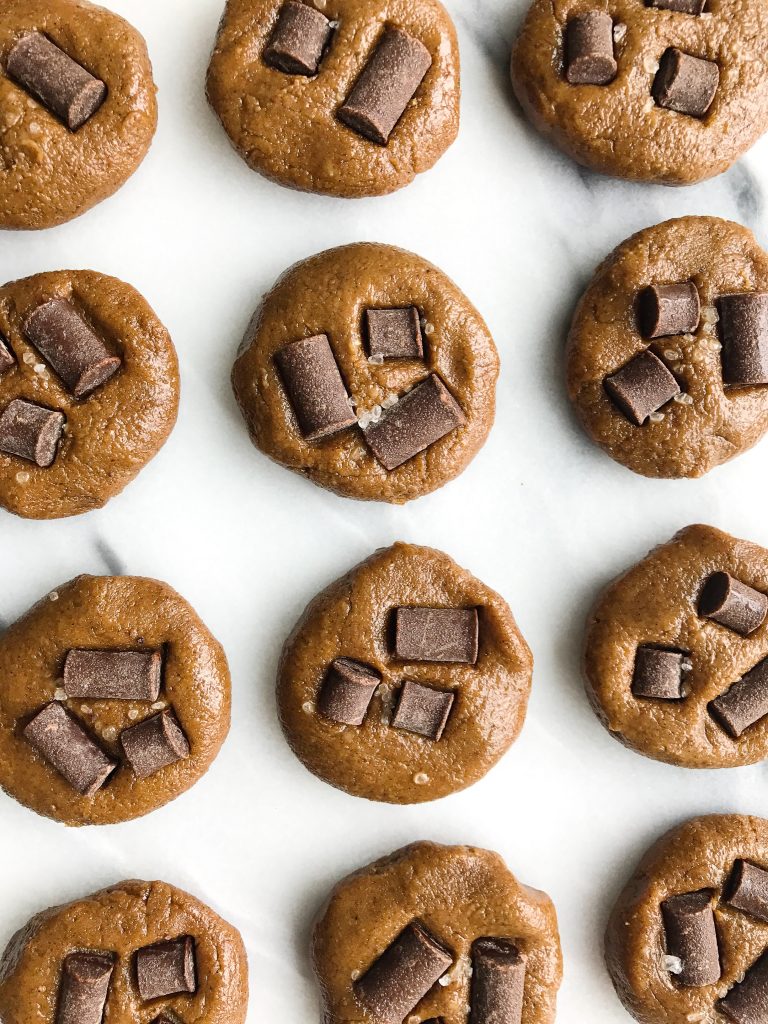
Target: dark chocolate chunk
{"type": "Point", "coordinates": [744, 703]}
{"type": "Point", "coordinates": [67, 747]}
{"type": "Point", "coordinates": [422, 710]}
{"type": "Point", "coordinates": [733, 604]}
{"type": "Point", "coordinates": [641, 387]}
{"type": "Point", "coordinates": [84, 986]}
{"type": "Point", "coordinates": [436, 634]}
{"type": "Point", "coordinates": [314, 387]}
{"type": "Point", "coordinates": [31, 431]}
{"type": "Point", "coordinates": [386, 85]}
{"type": "Point", "coordinates": [420, 418]}
{"type": "Point", "coordinates": [394, 333]}
{"type": "Point", "coordinates": [498, 980]}
{"type": "Point", "coordinates": [747, 1001]}
{"type": "Point", "coordinates": [682, 6]}
{"type": "Point", "coordinates": [685, 83]}
{"type": "Point", "coordinates": [65, 340]}
{"type": "Point", "coordinates": [300, 36]}
{"type": "Point", "coordinates": [744, 334]}
{"type": "Point", "coordinates": [60, 83]}
{"type": "Point", "coordinates": [7, 359]}
{"type": "Point", "coordinates": [589, 49]}
{"type": "Point", "coordinates": [747, 889]}
{"type": "Point", "coordinates": [667, 309]}
{"type": "Point", "coordinates": [166, 968]}
{"type": "Point", "coordinates": [689, 923]}
{"type": "Point", "coordinates": [154, 743]}
{"type": "Point", "coordinates": [403, 974]}
{"type": "Point", "coordinates": [347, 691]}
{"type": "Point", "coordinates": [113, 675]}
{"type": "Point", "coordinates": [658, 673]}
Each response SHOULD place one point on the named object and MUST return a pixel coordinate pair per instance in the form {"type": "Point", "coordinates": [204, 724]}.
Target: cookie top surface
{"type": "Point", "coordinates": [445, 366]}
{"type": "Point", "coordinates": [131, 682]}
{"type": "Point", "coordinates": [49, 172]}
{"type": "Point", "coordinates": [694, 418]}
{"type": "Point", "coordinates": [630, 126]}
{"type": "Point", "coordinates": [447, 683]}
{"type": "Point", "coordinates": [289, 126]}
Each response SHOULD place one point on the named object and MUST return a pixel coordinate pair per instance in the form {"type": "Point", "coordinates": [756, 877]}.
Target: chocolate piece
{"type": "Point", "coordinates": [386, 85]}
{"type": "Point", "coordinates": [498, 980]}
{"type": "Point", "coordinates": [300, 36]}
{"type": "Point", "coordinates": [420, 418]}
{"type": "Point", "coordinates": [7, 359]}
{"type": "Point", "coordinates": [422, 710]}
{"type": "Point", "coordinates": [113, 675]}
{"type": "Point", "coordinates": [744, 334]}
{"type": "Point", "coordinates": [682, 6]}
{"type": "Point", "coordinates": [154, 743]}
{"type": "Point", "coordinates": [436, 634]}
{"type": "Point", "coordinates": [747, 889]}
{"type": "Point", "coordinates": [31, 431]}
{"type": "Point", "coordinates": [689, 922]}
{"type": "Point", "coordinates": [394, 333]}
{"type": "Point", "coordinates": [347, 691]}
{"type": "Point", "coordinates": [744, 703]}
{"type": "Point", "coordinates": [84, 986]}
{"type": "Point", "coordinates": [658, 673]}
{"type": "Point", "coordinates": [67, 747]}
{"type": "Point", "coordinates": [667, 309]}
{"type": "Point", "coordinates": [314, 387]}
{"type": "Point", "coordinates": [402, 975]}
{"type": "Point", "coordinates": [60, 83]}
{"type": "Point", "coordinates": [166, 968]}
{"type": "Point", "coordinates": [732, 604]}
{"type": "Point", "coordinates": [685, 83]}
{"type": "Point", "coordinates": [589, 49]}
{"type": "Point", "coordinates": [747, 1001]}
{"type": "Point", "coordinates": [65, 340]}
{"type": "Point", "coordinates": [641, 387]}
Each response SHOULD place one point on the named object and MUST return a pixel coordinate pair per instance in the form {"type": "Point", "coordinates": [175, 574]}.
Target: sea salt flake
{"type": "Point", "coordinates": [355, 975]}
{"type": "Point", "coordinates": [651, 65]}
{"type": "Point", "coordinates": [86, 709]}
{"type": "Point", "coordinates": [421, 779]}
{"type": "Point", "coordinates": [656, 417]}
{"type": "Point", "coordinates": [28, 357]}
{"type": "Point", "coordinates": [429, 329]}
{"type": "Point", "coordinates": [673, 964]}
{"type": "Point", "coordinates": [110, 732]}
{"type": "Point", "coordinates": [53, 596]}
{"type": "Point", "coordinates": [159, 705]}
{"type": "Point", "coordinates": [377, 360]}
{"type": "Point", "coordinates": [22, 477]}
{"type": "Point", "coordinates": [133, 714]}
{"type": "Point", "coordinates": [619, 31]}
{"type": "Point", "coordinates": [39, 368]}
{"type": "Point", "coordinates": [389, 401]}
{"type": "Point", "coordinates": [683, 398]}
{"type": "Point", "coordinates": [306, 707]}
{"type": "Point", "coordinates": [60, 694]}
{"type": "Point", "coordinates": [672, 354]}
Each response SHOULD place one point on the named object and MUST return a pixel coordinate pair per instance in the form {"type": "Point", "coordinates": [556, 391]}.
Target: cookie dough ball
{"type": "Point", "coordinates": [77, 109]}
{"type": "Point", "coordinates": [366, 370]}
{"type": "Point", "coordinates": [668, 91]}
{"type": "Point", "coordinates": [405, 680]}
{"type": "Point", "coordinates": [668, 349]}
{"type": "Point", "coordinates": [138, 951]}
{"type": "Point", "coordinates": [431, 931]}
{"type": "Point", "coordinates": [350, 99]}
{"type": "Point", "coordinates": [116, 700]}
{"type": "Point", "coordinates": [89, 391]}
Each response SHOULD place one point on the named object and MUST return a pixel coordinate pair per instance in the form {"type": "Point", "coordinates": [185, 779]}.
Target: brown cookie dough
{"type": "Point", "coordinates": [116, 349]}
{"type": "Point", "coordinates": [646, 91]}
{"type": "Point", "coordinates": [424, 703]}
{"type": "Point", "coordinates": [422, 414]}
{"type": "Point", "coordinates": [138, 951]}
{"type": "Point", "coordinates": [439, 905]}
{"type": "Point", "coordinates": [128, 734]}
{"type": "Point", "coordinates": [672, 383]}
{"type": "Point", "coordinates": [288, 86]}
{"type": "Point", "coordinates": [51, 172]}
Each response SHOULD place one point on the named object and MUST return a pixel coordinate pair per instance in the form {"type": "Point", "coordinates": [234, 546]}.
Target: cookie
{"type": "Point", "coordinates": [668, 91]}
{"type": "Point", "coordinates": [138, 951]}
{"type": "Point", "coordinates": [348, 99]}
{"type": "Point", "coordinates": [667, 354]}
{"type": "Point", "coordinates": [78, 109]}
{"type": "Point", "coordinates": [431, 931]}
{"type": "Point", "coordinates": [117, 700]}
{"type": "Point", "coordinates": [405, 680]}
{"type": "Point", "coordinates": [89, 391]}
{"type": "Point", "coordinates": [366, 370]}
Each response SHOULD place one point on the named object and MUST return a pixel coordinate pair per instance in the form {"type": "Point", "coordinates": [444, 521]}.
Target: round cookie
{"type": "Point", "coordinates": [89, 391]}
{"type": "Point", "coordinates": [117, 700]}
{"type": "Point", "coordinates": [405, 680]}
{"type": "Point", "coordinates": [431, 931]}
{"type": "Point", "coordinates": [138, 951]}
{"type": "Point", "coordinates": [677, 403]}
{"type": "Point", "coordinates": [663, 91]}
{"type": "Point", "coordinates": [366, 370]}
{"type": "Point", "coordinates": [342, 97]}
{"type": "Point", "coordinates": [89, 64]}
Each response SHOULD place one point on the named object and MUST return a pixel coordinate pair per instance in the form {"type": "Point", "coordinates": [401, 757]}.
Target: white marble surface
{"type": "Point", "coordinates": [541, 515]}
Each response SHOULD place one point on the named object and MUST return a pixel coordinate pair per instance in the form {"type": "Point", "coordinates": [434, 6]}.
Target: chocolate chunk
{"type": "Point", "coordinates": [300, 36]}
{"type": "Point", "coordinates": [747, 1001]}
{"type": "Point", "coordinates": [667, 309]}
{"type": "Point", "coordinates": [744, 334]}
{"type": "Point", "coordinates": [744, 703]}
{"type": "Point", "coordinates": [689, 922]}
{"type": "Point", "coordinates": [60, 83]}
{"type": "Point", "coordinates": [83, 989]}
{"type": "Point", "coordinates": [31, 431]}
{"type": "Point", "coordinates": [732, 603]}
{"type": "Point", "coordinates": [65, 340]}
{"type": "Point", "coordinates": [386, 85]}
{"type": "Point", "coordinates": [166, 968]}
{"type": "Point", "coordinates": [641, 387]}
{"type": "Point", "coordinates": [436, 634]}
{"type": "Point", "coordinates": [113, 675]}
{"type": "Point", "coordinates": [67, 747]}
{"type": "Point", "coordinates": [498, 980]}
{"type": "Point", "coordinates": [684, 83]}
{"type": "Point", "coordinates": [422, 710]}
{"type": "Point", "coordinates": [682, 6]}
{"type": "Point", "coordinates": [420, 418]}
{"type": "Point", "coordinates": [658, 673]}
{"type": "Point", "coordinates": [6, 356]}
{"type": "Point", "coordinates": [747, 889]}
{"type": "Point", "coordinates": [402, 975]}
{"type": "Point", "coordinates": [314, 387]}
{"type": "Point", "coordinates": [154, 743]}
{"type": "Point", "coordinates": [347, 691]}
{"type": "Point", "coordinates": [589, 49]}
{"type": "Point", "coordinates": [394, 333]}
